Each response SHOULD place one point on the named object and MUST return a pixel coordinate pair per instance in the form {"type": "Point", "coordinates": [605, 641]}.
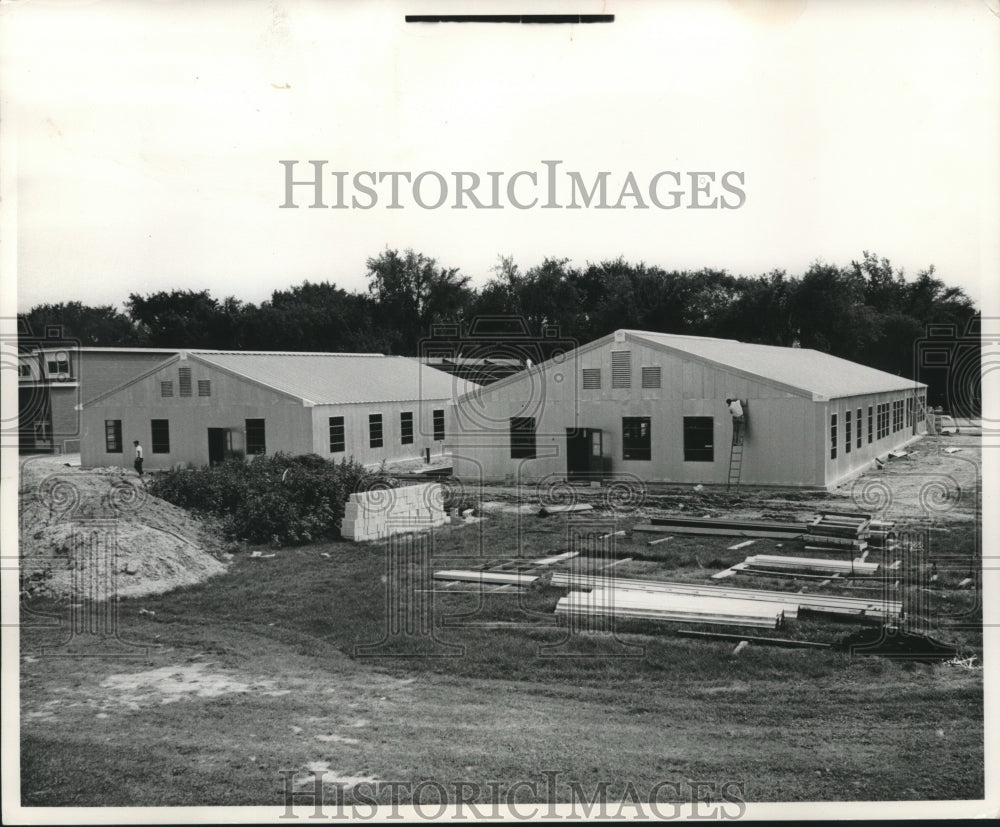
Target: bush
{"type": "Point", "coordinates": [278, 499]}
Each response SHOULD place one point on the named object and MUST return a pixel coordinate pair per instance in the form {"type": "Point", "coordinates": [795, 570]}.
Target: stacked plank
{"type": "Point", "coordinates": [836, 528]}
{"type": "Point", "coordinates": [677, 608]}
{"type": "Point", "coordinates": [515, 578]}
{"type": "Point", "coordinates": [827, 604]}
{"type": "Point", "coordinates": [808, 566]}
{"type": "Point", "coordinates": [726, 528]}
{"type": "Point", "coordinates": [382, 512]}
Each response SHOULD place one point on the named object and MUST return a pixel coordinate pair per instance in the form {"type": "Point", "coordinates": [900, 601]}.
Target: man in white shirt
{"type": "Point", "coordinates": [138, 457]}
{"type": "Point", "coordinates": [736, 411]}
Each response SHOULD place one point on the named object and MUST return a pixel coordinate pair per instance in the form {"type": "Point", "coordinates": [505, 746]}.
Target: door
{"type": "Point", "coordinates": [217, 443]}
{"type": "Point", "coordinates": [584, 453]}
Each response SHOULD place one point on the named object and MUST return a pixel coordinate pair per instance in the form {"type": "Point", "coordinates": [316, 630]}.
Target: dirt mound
{"type": "Point", "coordinates": [98, 533]}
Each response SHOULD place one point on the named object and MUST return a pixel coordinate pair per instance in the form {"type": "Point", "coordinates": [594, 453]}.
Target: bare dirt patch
{"type": "Point", "coordinates": [67, 512]}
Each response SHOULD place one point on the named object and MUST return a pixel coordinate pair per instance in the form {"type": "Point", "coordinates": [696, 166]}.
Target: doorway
{"type": "Point", "coordinates": [219, 442]}
{"type": "Point", "coordinates": [584, 453]}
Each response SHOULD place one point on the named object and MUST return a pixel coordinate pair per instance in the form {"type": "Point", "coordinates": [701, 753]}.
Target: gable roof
{"type": "Point", "coordinates": [326, 378]}
{"type": "Point", "coordinates": [817, 373]}
{"type": "Point", "coordinates": [801, 371]}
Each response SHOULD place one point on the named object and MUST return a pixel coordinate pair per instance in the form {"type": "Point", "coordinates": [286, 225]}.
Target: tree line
{"type": "Point", "coordinates": [868, 311]}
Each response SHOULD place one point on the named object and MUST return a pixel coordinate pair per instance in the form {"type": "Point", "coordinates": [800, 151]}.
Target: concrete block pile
{"type": "Point", "coordinates": [381, 512]}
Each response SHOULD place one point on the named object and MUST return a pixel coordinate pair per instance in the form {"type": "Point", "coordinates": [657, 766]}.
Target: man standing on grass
{"type": "Point", "coordinates": [138, 457]}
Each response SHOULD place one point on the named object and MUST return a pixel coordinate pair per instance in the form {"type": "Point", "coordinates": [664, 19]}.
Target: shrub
{"type": "Point", "coordinates": [278, 499]}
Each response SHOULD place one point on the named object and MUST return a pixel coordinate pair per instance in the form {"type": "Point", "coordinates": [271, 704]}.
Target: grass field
{"type": "Point", "coordinates": [259, 671]}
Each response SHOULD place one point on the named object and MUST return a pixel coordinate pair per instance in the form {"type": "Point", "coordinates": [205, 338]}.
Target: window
{"type": "Point", "coordinates": [406, 428]}
{"type": "Point", "coordinates": [909, 412]}
{"type": "Point", "coordinates": [847, 432]}
{"type": "Point", "coordinates": [374, 430]}
{"type": "Point", "coordinates": [113, 436]}
{"type": "Point", "coordinates": [439, 425]}
{"type": "Point", "coordinates": [204, 387]}
{"type": "Point", "coordinates": [160, 432]}
{"type": "Point", "coordinates": [59, 365]}
{"type": "Point", "coordinates": [651, 377]}
{"type": "Point", "coordinates": [621, 369]}
{"type": "Point", "coordinates": [636, 441]}
{"type": "Point", "coordinates": [833, 436]}
{"type": "Point", "coordinates": [522, 437]}
{"type": "Point", "coordinates": [166, 388]}
{"type": "Point", "coordinates": [337, 443]}
{"type": "Point", "coordinates": [897, 415]}
{"type": "Point", "coordinates": [859, 426]}
{"type": "Point", "coordinates": [591, 379]}
{"type": "Point", "coordinates": [699, 439]}
{"type": "Point", "coordinates": [883, 420]}
{"type": "Point", "coordinates": [184, 375]}
{"type": "Point", "coordinates": [24, 370]}
{"type": "Point", "coordinates": [256, 441]}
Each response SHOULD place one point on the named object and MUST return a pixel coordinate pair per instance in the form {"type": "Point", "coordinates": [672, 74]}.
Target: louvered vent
{"type": "Point", "coordinates": [591, 379]}
{"type": "Point", "coordinates": [184, 376]}
{"type": "Point", "coordinates": [621, 369]}
{"type": "Point", "coordinates": [651, 377]}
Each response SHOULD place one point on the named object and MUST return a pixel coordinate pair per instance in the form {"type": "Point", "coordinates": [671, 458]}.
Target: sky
{"type": "Point", "coordinates": [143, 139]}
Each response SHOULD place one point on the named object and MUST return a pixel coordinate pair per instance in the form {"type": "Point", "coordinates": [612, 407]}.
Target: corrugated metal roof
{"type": "Point", "coordinates": [339, 378]}
{"type": "Point", "coordinates": [808, 370]}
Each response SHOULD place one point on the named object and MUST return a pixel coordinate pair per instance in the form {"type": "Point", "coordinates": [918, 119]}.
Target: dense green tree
{"type": "Point", "coordinates": [101, 325]}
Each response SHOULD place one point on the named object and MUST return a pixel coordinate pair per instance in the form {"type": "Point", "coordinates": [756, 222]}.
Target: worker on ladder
{"type": "Point", "coordinates": [736, 410]}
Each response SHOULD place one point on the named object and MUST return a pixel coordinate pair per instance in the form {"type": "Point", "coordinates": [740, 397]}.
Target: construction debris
{"type": "Point", "coordinates": [549, 510]}
{"type": "Point", "coordinates": [862, 607]}
{"type": "Point", "coordinates": [664, 606]}
{"type": "Point", "coordinates": [514, 577]}
{"type": "Point", "coordinates": [800, 566]}
{"type": "Point", "coordinates": [757, 641]}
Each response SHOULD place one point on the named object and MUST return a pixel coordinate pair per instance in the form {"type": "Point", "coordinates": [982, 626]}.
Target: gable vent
{"type": "Point", "coordinates": [621, 369]}
{"type": "Point", "coordinates": [591, 379]}
{"type": "Point", "coordinates": [184, 377]}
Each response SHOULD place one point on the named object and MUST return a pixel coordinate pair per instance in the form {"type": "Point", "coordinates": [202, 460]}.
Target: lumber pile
{"type": "Point", "coordinates": [882, 534]}
{"type": "Point", "coordinates": [829, 528]}
{"type": "Point", "coordinates": [827, 604]}
{"type": "Point", "coordinates": [837, 528]}
{"type": "Point", "coordinates": [486, 577]}
{"type": "Point", "coordinates": [730, 528]}
{"type": "Point", "coordinates": [800, 567]}
{"type": "Point", "coordinates": [678, 608]}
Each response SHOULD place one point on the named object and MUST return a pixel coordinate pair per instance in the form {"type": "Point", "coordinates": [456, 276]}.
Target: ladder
{"type": "Point", "coordinates": [736, 458]}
